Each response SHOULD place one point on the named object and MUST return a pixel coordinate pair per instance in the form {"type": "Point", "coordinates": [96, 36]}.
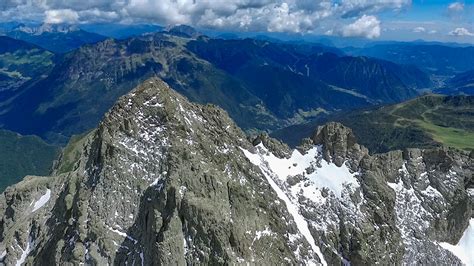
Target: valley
{"type": "Point", "coordinates": [427, 121]}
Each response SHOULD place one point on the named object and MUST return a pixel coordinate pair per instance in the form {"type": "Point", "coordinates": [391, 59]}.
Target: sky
{"type": "Point", "coordinates": [436, 20]}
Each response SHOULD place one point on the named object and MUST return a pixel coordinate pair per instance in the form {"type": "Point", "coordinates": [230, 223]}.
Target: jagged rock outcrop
{"type": "Point", "coordinates": [163, 181]}
{"type": "Point", "coordinates": [401, 207]}
{"type": "Point", "coordinates": [160, 181]}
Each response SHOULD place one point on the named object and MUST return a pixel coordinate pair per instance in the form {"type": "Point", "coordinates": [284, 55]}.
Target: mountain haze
{"type": "Point", "coordinates": [262, 85]}
{"type": "Point", "coordinates": [434, 58]}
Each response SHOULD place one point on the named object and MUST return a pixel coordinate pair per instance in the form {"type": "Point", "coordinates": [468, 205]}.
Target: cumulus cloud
{"type": "Point", "coordinates": [456, 7]}
{"type": "Point", "coordinates": [61, 16]}
{"type": "Point", "coordinates": [355, 8]}
{"type": "Point", "coordinates": [366, 26]}
{"type": "Point", "coordinates": [419, 29]}
{"type": "Point", "coordinates": [461, 32]}
{"type": "Point", "coordinates": [267, 15]}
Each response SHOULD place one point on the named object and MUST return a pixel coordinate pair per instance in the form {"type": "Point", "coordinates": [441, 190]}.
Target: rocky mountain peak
{"type": "Point", "coordinates": [339, 143]}
{"type": "Point", "coordinates": [165, 181]}
{"type": "Point", "coordinates": [161, 180]}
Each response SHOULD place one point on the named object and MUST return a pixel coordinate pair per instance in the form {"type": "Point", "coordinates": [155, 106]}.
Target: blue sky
{"type": "Point", "coordinates": [431, 20]}
{"type": "Point", "coordinates": [373, 19]}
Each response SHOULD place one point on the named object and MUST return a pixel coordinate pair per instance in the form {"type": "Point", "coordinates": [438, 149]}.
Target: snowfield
{"type": "Point", "coordinates": [318, 175]}
{"type": "Point", "coordinates": [464, 250]}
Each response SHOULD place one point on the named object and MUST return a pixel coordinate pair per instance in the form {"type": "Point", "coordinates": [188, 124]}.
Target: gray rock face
{"type": "Point", "coordinates": [401, 207]}
{"type": "Point", "coordinates": [162, 181]}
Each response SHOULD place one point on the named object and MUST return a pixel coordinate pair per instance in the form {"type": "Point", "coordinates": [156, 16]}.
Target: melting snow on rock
{"type": "Point", "coordinates": [464, 250]}
{"type": "Point", "coordinates": [24, 254]}
{"type": "Point", "coordinates": [320, 173]}
{"type": "Point", "coordinates": [42, 200]}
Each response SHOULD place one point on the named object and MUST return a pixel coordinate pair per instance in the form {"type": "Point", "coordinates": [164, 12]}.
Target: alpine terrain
{"type": "Point", "coordinates": [262, 85]}
{"type": "Point", "coordinates": [162, 181]}
{"type": "Point", "coordinates": [424, 122]}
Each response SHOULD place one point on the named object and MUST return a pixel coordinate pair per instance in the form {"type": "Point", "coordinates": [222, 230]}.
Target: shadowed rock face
{"type": "Point", "coordinates": [164, 181]}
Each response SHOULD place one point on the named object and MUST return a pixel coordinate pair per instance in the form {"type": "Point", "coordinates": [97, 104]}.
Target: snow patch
{"type": "Point", "coordinates": [260, 234]}
{"type": "Point", "coordinates": [42, 200]}
{"type": "Point", "coordinates": [142, 258]}
{"type": "Point", "coordinates": [269, 173]}
{"type": "Point", "coordinates": [325, 174]}
{"type": "Point", "coordinates": [182, 190]}
{"type": "Point", "coordinates": [4, 253]}
{"type": "Point", "coordinates": [122, 234]}
{"type": "Point", "coordinates": [464, 250]}
{"type": "Point", "coordinates": [24, 254]}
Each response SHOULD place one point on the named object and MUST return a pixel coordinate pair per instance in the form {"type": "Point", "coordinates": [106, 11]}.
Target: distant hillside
{"type": "Point", "coordinates": [23, 155]}
{"type": "Point", "coordinates": [20, 62]}
{"type": "Point", "coordinates": [460, 84]}
{"type": "Point", "coordinates": [355, 79]}
{"type": "Point", "coordinates": [120, 31]}
{"type": "Point", "coordinates": [427, 121]}
{"type": "Point", "coordinates": [262, 85]}
{"type": "Point", "coordinates": [437, 59]}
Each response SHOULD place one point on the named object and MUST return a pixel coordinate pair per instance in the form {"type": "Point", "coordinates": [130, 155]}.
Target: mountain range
{"type": "Point", "coordinates": [57, 38]}
{"type": "Point", "coordinates": [162, 180]}
{"type": "Point", "coordinates": [263, 85]}
{"type": "Point", "coordinates": [425, 122]}
{"type": "Point", "coordinates": [434, 58]}
{"type": "Point", "coordinates": [173, 148]}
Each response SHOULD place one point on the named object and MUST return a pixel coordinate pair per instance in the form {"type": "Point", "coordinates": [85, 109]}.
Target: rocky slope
{"type": "Point", "coordinates": [164, 181]}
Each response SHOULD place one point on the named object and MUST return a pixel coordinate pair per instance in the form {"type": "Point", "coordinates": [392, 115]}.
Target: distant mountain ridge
{"type": "Point", "coordinates": [263, 85]}
{"type": "Point", "coordinates": [462, 83]}
{"type": "Point", "coordinates": [424, 122]}
{"type": "Point", "coordinates": [46, 28]}
{"type": "Point", "coordinates": [58, 38]}
{"type": "Point", "coordinates": [436, 59]}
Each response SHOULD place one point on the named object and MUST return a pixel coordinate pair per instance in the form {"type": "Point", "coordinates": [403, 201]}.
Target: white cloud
{"type": "Point", "coordinates": [267, 15]}
{"type": "Point", "coordinates": [354, 8]}
{"type": "Point", "coordinates": [461, 32]}
{"type": "Point", "coordinates": [456, 10]}
{"type": "Point", "coordinates": [365, 26]}
{"type": "Point", "coordinates": [419, 29]}
{"type": "Point", "coordinates": [433, 32]}
{"type": "Point", "coordinates": [456, 7]}
{"type": "Point", "coordinates": [61, 16]}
